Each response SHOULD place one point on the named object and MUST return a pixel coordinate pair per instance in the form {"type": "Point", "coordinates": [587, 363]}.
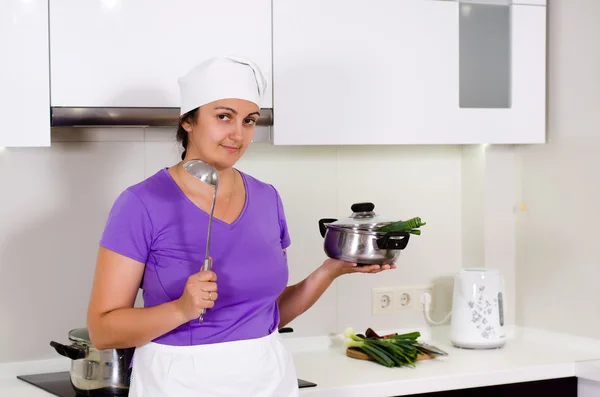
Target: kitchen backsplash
{"type": "Point", "coordinates": [558, 256]}
{"type": "Point", "coordinates": [55, 202]}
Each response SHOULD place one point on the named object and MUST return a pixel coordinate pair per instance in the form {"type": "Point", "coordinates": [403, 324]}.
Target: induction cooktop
{"type": "Point", "coordinates": [59, 383]}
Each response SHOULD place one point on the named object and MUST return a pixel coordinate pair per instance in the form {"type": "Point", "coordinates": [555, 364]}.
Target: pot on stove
{"type": "Point", "coordinates": [355, 239]}
{"type": "Point", "coordinates": [96, 372]}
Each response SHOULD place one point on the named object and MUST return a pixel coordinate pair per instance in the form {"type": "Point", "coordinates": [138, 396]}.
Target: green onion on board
{"type": "Point", "coordinates": [392, 351]}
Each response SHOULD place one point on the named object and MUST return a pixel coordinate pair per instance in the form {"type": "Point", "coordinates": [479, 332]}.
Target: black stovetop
{"type": "Point", "coordinates": [59, 383]}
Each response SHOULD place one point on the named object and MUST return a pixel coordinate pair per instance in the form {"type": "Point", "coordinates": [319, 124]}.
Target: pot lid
{"type": "Point", "coordinates": [80, 335]}
{"type": "Point", "coordinates": [363, 217]}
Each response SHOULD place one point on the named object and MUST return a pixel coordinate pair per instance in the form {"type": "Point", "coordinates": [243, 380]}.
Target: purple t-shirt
{"type": "Point", "coordinates": [154, 223]}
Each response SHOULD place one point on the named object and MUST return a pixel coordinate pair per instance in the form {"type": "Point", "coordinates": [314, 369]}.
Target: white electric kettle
{"type": "Point", "coordinates": [478, 309]}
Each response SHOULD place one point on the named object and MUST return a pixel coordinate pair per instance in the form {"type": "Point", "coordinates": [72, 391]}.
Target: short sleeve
{"type": "Point", "coordinates": [128, 230]}
{"type": "Point", "coordinates": [285, 235]}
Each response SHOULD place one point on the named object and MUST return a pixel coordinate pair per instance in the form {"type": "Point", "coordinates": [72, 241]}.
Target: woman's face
{"type": "Point", "coordinates": [222, 131]}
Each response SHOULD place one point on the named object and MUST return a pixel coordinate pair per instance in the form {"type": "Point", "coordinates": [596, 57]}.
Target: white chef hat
{"type": "Point", "coordinates": [221, 78]}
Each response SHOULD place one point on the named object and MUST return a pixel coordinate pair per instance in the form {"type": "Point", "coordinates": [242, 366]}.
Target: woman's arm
{"type": "Point", "coordinates": [298, 298]}
{"type": "Point", "coordinates": [112, 320]}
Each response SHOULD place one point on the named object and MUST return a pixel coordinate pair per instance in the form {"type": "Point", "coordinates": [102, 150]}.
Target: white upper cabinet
{"type": "Point", "coordinates": [24, 81]}
{"type": "Point", "coordinates": [130, 53]}
{"type": "Point", "coordinates": [408, 72]}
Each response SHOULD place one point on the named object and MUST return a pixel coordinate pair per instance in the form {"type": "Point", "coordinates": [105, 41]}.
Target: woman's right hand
{"type": "Point", "coordinates": [200, 292]}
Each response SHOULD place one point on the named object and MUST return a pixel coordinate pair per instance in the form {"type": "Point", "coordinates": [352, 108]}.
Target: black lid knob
{"type": "Point", "coordinates": [362, 207]}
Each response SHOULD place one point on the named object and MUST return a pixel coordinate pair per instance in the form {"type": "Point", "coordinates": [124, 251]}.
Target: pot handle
{"type": "Point", "coordinates": [387, 243]}
{"type": "Point", "coordinates": [71, 352]}
{"type": "Point", "coordinates": [323, 225]}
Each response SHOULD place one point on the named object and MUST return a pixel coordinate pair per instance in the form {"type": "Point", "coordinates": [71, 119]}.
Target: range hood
{"type": "Point", "coordinates": [138, 117]}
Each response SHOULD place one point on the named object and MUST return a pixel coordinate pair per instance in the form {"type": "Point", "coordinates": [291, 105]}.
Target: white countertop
{"type": "Point", "coordinates": [527, 356]}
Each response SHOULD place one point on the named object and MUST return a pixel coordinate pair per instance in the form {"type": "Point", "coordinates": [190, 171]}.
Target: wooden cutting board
{"type": "Point", "coordinates": [357, 354]}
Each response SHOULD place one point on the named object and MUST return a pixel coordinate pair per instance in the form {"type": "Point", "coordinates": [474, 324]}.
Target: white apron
{"type": "Point", "coordinates": [258, 367]}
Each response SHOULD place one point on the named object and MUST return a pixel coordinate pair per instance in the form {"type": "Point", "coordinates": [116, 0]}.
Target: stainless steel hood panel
{"type": "Point", "coordinates": [128, 117]}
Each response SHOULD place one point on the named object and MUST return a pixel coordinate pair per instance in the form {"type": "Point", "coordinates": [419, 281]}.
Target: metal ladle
{"type": "Point", "coordinates": [208, 174]}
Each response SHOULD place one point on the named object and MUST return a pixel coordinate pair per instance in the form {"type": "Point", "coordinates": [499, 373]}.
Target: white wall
{"type": "Point", "coordinates": [55, 200]}
{"type": "Point", "coordinates": [488, 214]}
{"type": "Point", "coordinates": [558, 254]}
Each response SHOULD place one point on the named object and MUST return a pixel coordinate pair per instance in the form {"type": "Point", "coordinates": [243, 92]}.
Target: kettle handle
{"type": "Point", "coordinates": [71, 352]}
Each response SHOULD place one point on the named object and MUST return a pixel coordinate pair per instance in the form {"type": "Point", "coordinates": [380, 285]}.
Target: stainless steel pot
{"type": "Point", "coordinates": [354, 239]}
{"type": "Point", "coordinates": [93, 371]}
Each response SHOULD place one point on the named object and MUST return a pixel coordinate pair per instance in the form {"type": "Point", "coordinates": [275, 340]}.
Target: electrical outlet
{"type": "Point", "coordinates": [390, 300]}
{"type": "Point", "coordinates": [405, 299]}
{"type": "Point", "coordinates": [383, 300]}
{"type": "Point", "coordinates": [408, 297]}
{"type": "Point", "coordinates": [418, 292]}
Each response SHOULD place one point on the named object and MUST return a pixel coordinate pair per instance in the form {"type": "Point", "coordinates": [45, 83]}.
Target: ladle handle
{"type": "Point", "coordinates": [207, 265]}
{"type": "Point", "coordinates": [201, 318]}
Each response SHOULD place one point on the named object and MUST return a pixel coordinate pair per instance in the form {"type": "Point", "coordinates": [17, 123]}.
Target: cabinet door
{"type": "Point", "coordinates": [357, 72]}
{"type": "Point", "coordinates": [502, 75]}
{"type": "Point", "coordinates": [24, 81]}
{"type": "Point", "coordinates": [408, 72]}
{"type": "Point", "coordinates": [113, 53]}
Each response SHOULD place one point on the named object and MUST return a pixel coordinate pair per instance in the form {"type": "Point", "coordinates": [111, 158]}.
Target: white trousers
{"type": "Point", "coordinates": [258, 367]}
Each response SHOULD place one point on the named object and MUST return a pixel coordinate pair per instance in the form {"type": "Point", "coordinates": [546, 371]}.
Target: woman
{"type": "Point", "coordinates": [155, 237]}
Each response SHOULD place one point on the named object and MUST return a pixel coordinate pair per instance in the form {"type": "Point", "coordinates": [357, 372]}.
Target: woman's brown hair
{"type": "Point", "coordinates": [182, 134]}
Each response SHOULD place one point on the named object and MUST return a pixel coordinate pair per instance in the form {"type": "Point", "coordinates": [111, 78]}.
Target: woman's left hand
{"type": "Point", "coordinates": [337, 268]}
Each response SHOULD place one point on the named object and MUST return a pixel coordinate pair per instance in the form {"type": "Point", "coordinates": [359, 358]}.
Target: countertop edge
{"type": "Point", "coordinates": [589, 370]}
{"type": "Point", "coordinates": [452, 382]}
{"type": "Point", "coordinates": [381, 389]}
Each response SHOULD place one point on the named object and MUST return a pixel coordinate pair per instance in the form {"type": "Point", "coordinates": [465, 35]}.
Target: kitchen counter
{"type": "Point", "coordinates": [528, 355]}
